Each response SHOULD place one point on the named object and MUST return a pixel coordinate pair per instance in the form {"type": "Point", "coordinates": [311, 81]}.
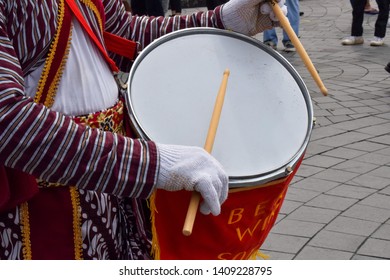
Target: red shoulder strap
{"type": "Point", "coordinates": [120, 45]}
{"type": "Point", "coordinates": [73, 6]}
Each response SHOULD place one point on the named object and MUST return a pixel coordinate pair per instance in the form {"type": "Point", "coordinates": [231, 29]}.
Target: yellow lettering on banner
{"type": "Point", "coordinates": [260, 208]}
{"type": "Point", "coordinates": [278, 201]}
{"type": "Point", "coordinates": [244, 255]}
{"type": "Point", "coordinates": [248, 230]}
{"type": "Point", "coordinates": [224, 256]}
{"type": "Point", "coordinates": [235, 215]}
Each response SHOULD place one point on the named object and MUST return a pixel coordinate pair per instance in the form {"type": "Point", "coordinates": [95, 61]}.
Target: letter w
{"type": "Point", "coordinates": [248, 230]}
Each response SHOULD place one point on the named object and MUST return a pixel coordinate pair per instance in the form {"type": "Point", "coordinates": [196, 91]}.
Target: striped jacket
{"type": "Point", "coordinates": [31, 136]}
{"type": "Point", "coordinates": [52, 147]}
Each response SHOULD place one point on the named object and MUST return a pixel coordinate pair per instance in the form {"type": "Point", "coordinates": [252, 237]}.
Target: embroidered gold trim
{"type": "Point", "coordinates": [95, 10]}
{"type": "Point", "coordinates": [54, 86]}
{"type": "Point", "coordinates": [25, 223]}
{"type": "Point", "coordinates": [49, 59]}
{"type": "Point", "coordinates": [78, 250]}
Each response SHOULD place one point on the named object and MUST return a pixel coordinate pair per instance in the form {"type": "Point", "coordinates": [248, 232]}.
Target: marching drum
{"type": "Point", "coordinates": [263, 133]}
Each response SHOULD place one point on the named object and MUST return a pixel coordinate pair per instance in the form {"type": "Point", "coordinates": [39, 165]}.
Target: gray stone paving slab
{"type": "Point", "coordinates": [383, 232]}
{"type": "Point", "coordinates": [284, 243]}
{"type": "Point", "coordinates": [307, 170]}
{"type": "Point", "coordinates": [376, 247]}
{"type": "Point", "coordinates": [355, 166]}
{"type": "Point", "coordinates": [301, 195]}
{"type": "Point", "coordinates": [374, 158]}
{"type": "Point", "coordinates": [369, 213]}
{"type": "Point", "coordinates": [385, 191]}
{"type": "Point", "coordinates": [316, 253]}
{"type": "Point", "coordinates": [345, 153]}
{"type": "Point", "coordinates": [383, 171]}
{"type": "Point", "coordinates": [297, 228]}
{"type": "Point", "coordinates": [376, 130]}
{"type": "Point", "coordinates": [340, 176]}
{"type": "Point", "coordinates": [352, 226]}
{"type": "Point", "coordinates": [385, 151]}
{"type": "Point", "coordinates": [377, 200]}
{"type": "Point", "coordinates": [351, 191]}
{"type": "Point", "coordinates": [385, 139]}
{"type": "Point", "coordinates": [370, 181]}
{"type": "Point", "coordinates": [366, 146]}
{"type": "Point", "coordinates": [289, 206]}
{"type": "Point", "coordinates": [325, 132]}
{"type": "Point", "coordinates": [317, 185]}
{"type": "Point", "coordinates": [337, 240]}
{"type": "Point", "coordinates": [314, 214]}
{"type": "Point", "coordinates": [344, 139]}
{"type": "Point", "coordinates": [323, 161]}
{"type": "Point", "coordinates": [332, 202]}
{"type": "Point", "coordinates": [333, 119]}
{"type": "Point", "coordinates": [314, 149]}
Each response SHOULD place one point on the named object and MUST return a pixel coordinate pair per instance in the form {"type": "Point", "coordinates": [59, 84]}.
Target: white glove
{"type": "Point", "coordinates": [266, 9]}
{"type": "Point", "coordinates": [250, 16]}
{"type": "Point", "coordinates": [193, 169]}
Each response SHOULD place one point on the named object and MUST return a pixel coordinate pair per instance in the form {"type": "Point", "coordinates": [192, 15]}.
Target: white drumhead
{"type": "Point", "coordinates": [266, 118]}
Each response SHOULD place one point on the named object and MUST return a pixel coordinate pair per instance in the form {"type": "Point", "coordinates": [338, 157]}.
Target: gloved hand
{"type": "Point", "coordinates": [193, 169]}
{"type": "Point", "coordinates": [250, 16]}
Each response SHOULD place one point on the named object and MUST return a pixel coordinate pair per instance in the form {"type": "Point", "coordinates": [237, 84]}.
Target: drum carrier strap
{"type": "Point", "coordinates": [113, 42]}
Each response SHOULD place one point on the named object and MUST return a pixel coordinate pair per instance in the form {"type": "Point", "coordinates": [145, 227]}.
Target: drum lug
{"type": "Point", "coordinates": [314, 121]}
{"type": "Point", "coordinates": [288, 170]}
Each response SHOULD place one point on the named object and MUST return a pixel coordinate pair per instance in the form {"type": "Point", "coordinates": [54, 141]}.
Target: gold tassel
{"type": "Point", "coordinates": [258, 254]}
{"type": "Point", "coordinates": [155, 244]}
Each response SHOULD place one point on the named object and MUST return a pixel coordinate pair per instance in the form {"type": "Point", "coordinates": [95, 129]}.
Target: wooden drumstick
{"type": "Point", "coordinates": [284, 22]}
{"type": "Point", "coordinates": [195, 197]}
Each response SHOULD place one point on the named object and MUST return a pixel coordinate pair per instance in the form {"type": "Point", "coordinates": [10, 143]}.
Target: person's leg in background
{"type": "Point", "coordinates": [293, 18]}
{"type": "Point", "coordinates": [356, 36]}
{"type": "Point", "coordinates": [270, 38]}
{"type": "Point", "coordinates": [381, 23]}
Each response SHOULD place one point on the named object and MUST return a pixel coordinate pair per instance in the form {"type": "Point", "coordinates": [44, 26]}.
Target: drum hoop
{"type": "Point", "coordinates": [242, 181]}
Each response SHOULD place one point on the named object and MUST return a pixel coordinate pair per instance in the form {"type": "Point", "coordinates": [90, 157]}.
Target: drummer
{"type": "Point", "coordinates": [71, 185]}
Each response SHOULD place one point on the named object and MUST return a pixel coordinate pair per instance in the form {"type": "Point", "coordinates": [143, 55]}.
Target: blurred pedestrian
{"type": "Point", "coordinates": [270, 37]}
{"type": "Point", "coordinates": [356, 37]}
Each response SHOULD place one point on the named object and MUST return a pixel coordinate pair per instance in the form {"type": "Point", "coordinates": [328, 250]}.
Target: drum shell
{"type": "Point", "coordinates": [255, 198]}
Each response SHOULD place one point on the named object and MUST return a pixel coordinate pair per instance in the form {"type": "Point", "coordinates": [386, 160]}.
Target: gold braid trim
{"type": "Point", "coordinates": [78, 250]}
{"type": "Point", "coordinates": [95, 10]}
{"type": "Point", "coordinates": [49, 59]}
{"type": "Point", "coordinates": [25, 223]}
{"type": "Point", "coordinates": [54, 86]}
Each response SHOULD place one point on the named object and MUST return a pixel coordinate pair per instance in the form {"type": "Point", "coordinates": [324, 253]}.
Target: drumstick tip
{"type": "Point", "coordinates": [226, 72]}
{"type": "Point", "coordinates": [324, 91]}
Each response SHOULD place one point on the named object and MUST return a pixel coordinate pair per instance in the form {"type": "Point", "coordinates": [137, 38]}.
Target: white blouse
{"type": "Point", "coordinates": [87, 83]}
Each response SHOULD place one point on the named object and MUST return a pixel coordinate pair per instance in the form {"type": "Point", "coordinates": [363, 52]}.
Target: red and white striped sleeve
{"type": "Point", "coordinates": [51, 146]}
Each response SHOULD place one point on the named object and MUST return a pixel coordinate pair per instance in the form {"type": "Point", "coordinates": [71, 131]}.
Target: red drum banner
{"type": "Point", "coordinates": [237, 233]}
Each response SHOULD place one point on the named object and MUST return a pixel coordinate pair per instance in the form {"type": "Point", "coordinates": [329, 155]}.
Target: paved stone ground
{"type": "Point", "coordinates": [338, 205]}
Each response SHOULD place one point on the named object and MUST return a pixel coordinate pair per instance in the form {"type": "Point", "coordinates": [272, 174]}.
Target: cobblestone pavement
{"type": "Point", "coordinates": [338, 205]}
